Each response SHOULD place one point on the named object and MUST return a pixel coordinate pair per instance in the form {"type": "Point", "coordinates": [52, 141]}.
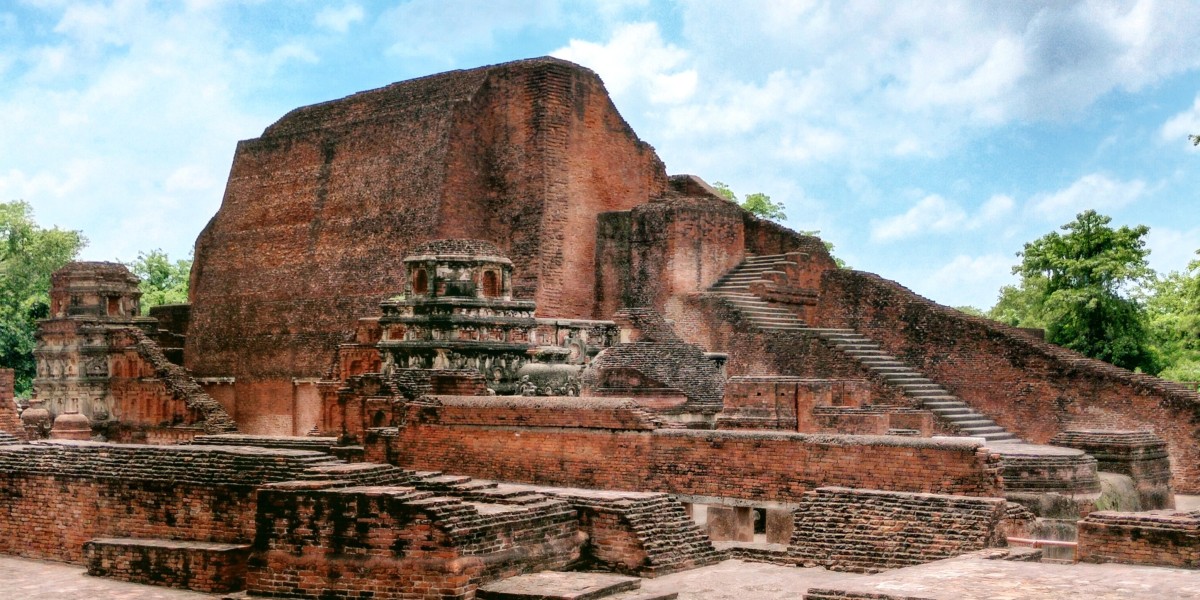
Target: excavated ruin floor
{"type": "Point", "coordinates": [968, 577]}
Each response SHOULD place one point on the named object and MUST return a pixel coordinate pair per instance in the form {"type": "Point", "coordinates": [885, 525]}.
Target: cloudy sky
{"type": "Point", "coordinates": [927, 140]}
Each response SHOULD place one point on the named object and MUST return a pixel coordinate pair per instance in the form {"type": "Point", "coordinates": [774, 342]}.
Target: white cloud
{"type": "Point", "coordinates": [635, 59]}
{"type": "Point", "coordinates": [1095, 191]}
{"type": "Point", "coordinates": [997, 207]}
{"type": "Point", "coordinates": [935, 214]}
{"type": "Point", "coordinates": [964, 269]}
{"type": "Point", "coordinates": [121, 121]}
{"type": "Point", "coordinates": [439, 30]}
{"type": "Point", "coordinates": [932, 213]}
{"type": "Point", "coordinates": [1172, 249]}
{"type": "Point", "coordinates": [1177, 129]}
{"type": "Point", "coordinates": [339, 19]}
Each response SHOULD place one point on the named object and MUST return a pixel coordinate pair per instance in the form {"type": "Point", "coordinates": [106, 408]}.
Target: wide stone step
{"type": "Point", "coordinates": [983, 422]}
{"type": "Point", "coordinates": [1006, 436]}
{"type": "Point", "coordinates": [851, 341]}
{"type": "Point", "coordinates": [786, 319]}
{"type": "Point", "coordinates": [946, 412]}
{"type": "Point", "coordinates": [981, 430]}
{"type": "Point", "coordinates": [881, 361]}
{"type": "Point", "coordinates": [905, 378]}
{"type": "Point", "coordinates": [926, 391]}
{"type": "Point", "coordinates": [554, 585]}
{"type": "Point", "coordinates": [890, 370]}
{"type": "Point", "coordinates": [829, 331]}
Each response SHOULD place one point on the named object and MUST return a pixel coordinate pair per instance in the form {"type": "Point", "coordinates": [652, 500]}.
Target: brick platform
{"type": "Point", "coordinates": [869, 531]}
{"type": "Point", "coordinates": [1163, 538]}
{"type": "Point", "coordinates": [199, 566]}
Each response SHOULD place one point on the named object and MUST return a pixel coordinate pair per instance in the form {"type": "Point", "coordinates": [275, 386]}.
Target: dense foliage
{"type": "Point", "coordinates": [28, 255]}
{"type": "Point", "coordinates": [757, 204]}
{"type": "Point", "coordinates": [163, 281]}
{"type": "Point", "coordinates": [1092, 290]}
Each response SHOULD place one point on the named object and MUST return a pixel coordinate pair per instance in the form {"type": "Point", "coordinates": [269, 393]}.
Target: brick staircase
{"type": "Point", "coordinates": [669, 537]}
{"type": "Point", "coordinates": [733, 288]}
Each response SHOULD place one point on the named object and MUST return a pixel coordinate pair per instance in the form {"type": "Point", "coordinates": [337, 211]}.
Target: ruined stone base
{"type": "Point", "coordinates": [198, 566]}
{"type": "Point", "coordinates": [1162, 538]}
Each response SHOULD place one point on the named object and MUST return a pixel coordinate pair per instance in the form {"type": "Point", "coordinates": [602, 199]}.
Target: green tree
{"type": "Point", "coordinates": [1078, 286]}
{"type": "Point", "coordinates": [1173, 306]}
{"type": "Point", "coordinates": [758, 203]}
{"type": "Point", "coordinates": [163, 281]}
{"type": "Point", "coordinates": [970, 310]}
{"type": "Point", "coordinates": [28, 255]}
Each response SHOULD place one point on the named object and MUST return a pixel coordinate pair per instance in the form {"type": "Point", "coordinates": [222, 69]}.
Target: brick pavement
{"type": "Point", "coordinates": [965, 578]}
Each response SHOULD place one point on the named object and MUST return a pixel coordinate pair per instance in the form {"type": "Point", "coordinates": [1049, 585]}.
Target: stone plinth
{"type": "Point", "coordinates": [731, 523]}
{"type": "Point", "coordinates": [1141, 455]}
{"type": "Point", "coordinates": [199, 566]}
{"type": "Point", "coordinates": [869, 531]}
{"type": "Point", "coordinates": [1163, 538]}
{"type": "Point", "coordinates": [1049, 480]}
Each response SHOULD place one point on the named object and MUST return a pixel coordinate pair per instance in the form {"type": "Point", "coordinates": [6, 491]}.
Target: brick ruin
{"type": "Point", "coordinates": [464, 328]}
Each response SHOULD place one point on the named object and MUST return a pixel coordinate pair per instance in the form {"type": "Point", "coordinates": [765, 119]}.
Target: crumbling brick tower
{"type": "Point", "coordinates": [320, 211]}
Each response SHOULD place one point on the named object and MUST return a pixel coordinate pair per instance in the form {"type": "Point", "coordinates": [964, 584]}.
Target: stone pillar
{"type": "Point", "coordinates": [731, 523]}
{"type": "Point", "coordinates": [780, 523]}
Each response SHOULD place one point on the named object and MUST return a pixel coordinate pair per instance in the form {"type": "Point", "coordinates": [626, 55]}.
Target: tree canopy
{"type": "Point", "coordinates": [758, 203]}
{"type": "Point", "coordinates": [1079, 286]}
{"type": "Point", "coordinates": [28, 255]}
{"type": "Point", "coordinates": [163, 281]}
{"type": "Point", "coordinates": [1173, 309]}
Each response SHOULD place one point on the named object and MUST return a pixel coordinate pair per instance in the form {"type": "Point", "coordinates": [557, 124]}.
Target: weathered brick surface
{"type": "Point", "coordinates": [56, 496]}
{"type": "Point", "coordinates": [1029, 387]}
{"type": "Point", "coordinates": [320, 209]}
{"type": "Point", "coordinates": [643, 534]}
{"type": "Point", "coordinates": [10, 422]}
{"type": "Point", "coordinates": [387, 542]}
{"type": "Point", "coordinates": [869, 531]}
{"type": "Point", "coordinates": [200, 566]}
{"type": "Point", "coordinates": [760, 466]}
{"type": "Point", "coordinates": [832, 594]}
{"type": "Point", "coordinates": [1139, 454]}
{"type": "Point", "coordinates": [1163, 538]}
{"type": "Point", "coordinates": [708, 321]}
{"type": "Point", "coordinates": [780, 402]}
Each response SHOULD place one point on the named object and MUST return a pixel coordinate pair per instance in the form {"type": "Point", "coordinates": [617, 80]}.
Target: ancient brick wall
{"type": "Point", "coordinates": [662, 249]}
{"type": "Point", "coordinates": [399, 543]}
{"type": "Point", "coordinates": [56, 496]}
{"type": "Point", "coordinates": [1031, 388]}
{"type": "Point", "coordinates": [780, 402]}
{"type": "Point", "coordinates": [868, 531]}
{"type": "Point", "coordinates": [1162, 538]}
{"type": "Point", "coordinates": [150, 394]}
{"type": "Point", "coordinates": [10, 421]}
{"type": "Point", "coordinates": [1139, 454]}
{"type": "Point", "coordinates": [199, 566]}
{"type": "Point", "coordinates": [712, 324]}
{"type": "Point", "coordinates": [767, 466]}
{"type": "Point", "coordinates": [320, 209]}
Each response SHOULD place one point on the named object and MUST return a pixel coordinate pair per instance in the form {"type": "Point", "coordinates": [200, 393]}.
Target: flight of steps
{"type": "Point", "coordinates": [920, 389]}
{"type": "Point", "coordinates": [668, 535]}
{"type": "Point", "coordinates": [734, 288]}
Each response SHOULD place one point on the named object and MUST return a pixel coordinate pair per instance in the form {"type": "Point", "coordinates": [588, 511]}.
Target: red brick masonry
{"type": "Point", "coordinates": [1164, 538]}
{"type": "Point", "coordinates": [599, 443]}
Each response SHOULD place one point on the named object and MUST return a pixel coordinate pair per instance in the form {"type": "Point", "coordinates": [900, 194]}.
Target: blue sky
{"type": "Point", "coordinates": [927, 140]}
